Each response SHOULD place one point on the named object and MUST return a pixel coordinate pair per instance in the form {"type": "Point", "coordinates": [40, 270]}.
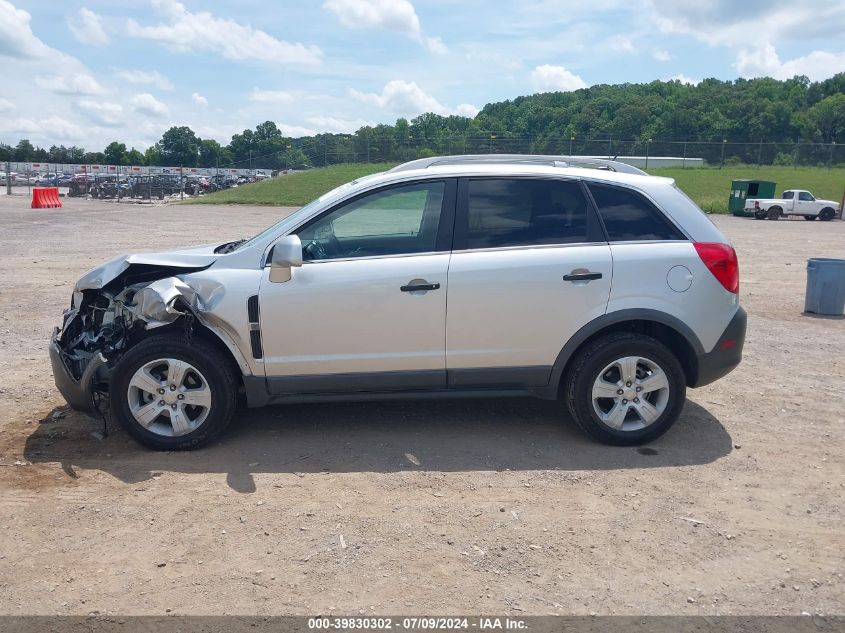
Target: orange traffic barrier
{"type": "Point", "coordinates": [45, 198]}
{"type": "Point", "coordinates": [37, 198]}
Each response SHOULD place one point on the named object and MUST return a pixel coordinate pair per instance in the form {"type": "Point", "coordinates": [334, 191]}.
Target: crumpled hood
{"type": "Point", "coordinates": [194, 258]}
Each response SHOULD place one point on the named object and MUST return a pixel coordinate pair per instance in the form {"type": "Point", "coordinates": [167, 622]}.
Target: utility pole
{"type": "Point", "coordinates": [571, 139]}
{"type": "Point", "coordinates": [830, 160]}
{"type": "Point", "coordinates": [760, 154]}
{"type": "Point", "coordinates": [8, 178]}
{"type": "Point", "coordinates": [684, 160]}
{"type": "Point", "coordinates": [647, 143]}
{"type": "Point", "coordinates": [722, 161]}
{"type": "Point", "coordinates": [610, 147]}
{"type": "Point", "coordinates": [492, 138]}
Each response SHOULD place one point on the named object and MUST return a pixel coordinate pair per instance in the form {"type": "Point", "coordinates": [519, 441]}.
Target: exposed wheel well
{"type": "Point", "coordinates": [671, 338]}
{"type": "Point", "coordinates": [177, 328]}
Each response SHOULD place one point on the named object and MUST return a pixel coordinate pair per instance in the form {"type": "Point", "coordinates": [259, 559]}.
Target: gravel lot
{"type": "Point", "coordinates": [455, 507]}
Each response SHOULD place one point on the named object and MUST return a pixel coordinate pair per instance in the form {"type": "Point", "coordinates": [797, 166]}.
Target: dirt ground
{"type": "Point", "coordinates": [423, 507]}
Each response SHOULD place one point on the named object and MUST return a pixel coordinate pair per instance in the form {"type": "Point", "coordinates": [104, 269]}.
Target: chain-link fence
{"type": "Point", "coordinates": [157, 182]}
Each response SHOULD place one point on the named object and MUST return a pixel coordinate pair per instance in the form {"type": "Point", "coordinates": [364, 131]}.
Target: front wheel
{"type": "Point", "coordinates": [173, 395]}
{"type": "Point", "coordinates": [625, 389]}
{"type": "Point", "coordinates": [827, 214]}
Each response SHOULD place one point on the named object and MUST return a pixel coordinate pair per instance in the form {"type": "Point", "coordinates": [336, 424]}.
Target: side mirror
{"type": "Point", "coordinates": [287, 253]}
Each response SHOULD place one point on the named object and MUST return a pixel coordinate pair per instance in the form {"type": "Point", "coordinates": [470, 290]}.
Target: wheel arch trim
{"type": "Point", "coordinates": [605, 322]}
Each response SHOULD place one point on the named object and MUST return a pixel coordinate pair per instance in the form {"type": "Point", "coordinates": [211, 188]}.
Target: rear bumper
{"type": "Point", "coordinates": [79, 393]}
{"type": "Point", "coordinates": [727, 353]}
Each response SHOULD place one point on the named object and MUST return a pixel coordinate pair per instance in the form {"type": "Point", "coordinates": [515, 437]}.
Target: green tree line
{"type": "Point", "coordinates": [736, 117]}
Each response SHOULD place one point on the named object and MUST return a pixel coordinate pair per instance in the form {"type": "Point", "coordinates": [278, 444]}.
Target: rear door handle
{"type": "Point", "coordinates": [412, 286]}
{"type": "Point", "coordinates": [586, 276]}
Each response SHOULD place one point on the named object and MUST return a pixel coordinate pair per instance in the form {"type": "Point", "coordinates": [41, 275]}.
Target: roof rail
{"type": "Point", "coordinates": [521, 159]}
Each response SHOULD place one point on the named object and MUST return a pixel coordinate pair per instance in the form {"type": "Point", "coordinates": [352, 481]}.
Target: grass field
{"type": "Point", "coordinates": [296, 189]}
{"type": "Point", "coordinates": [709, 187]}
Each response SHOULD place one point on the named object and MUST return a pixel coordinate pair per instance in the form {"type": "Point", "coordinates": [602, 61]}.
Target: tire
{"type": "Point", "coordinates": [774, 213]}
{"type": "Point", "coordinates": [592, 364]}
{"type": "Point", "coordinates": [208, 378]}
{"type": "Point", "coordinates": [760, 215]}
{"type": "Point", "coordinates": [810, 217]}
{"type": "Point", "coordinates": [827, 214]}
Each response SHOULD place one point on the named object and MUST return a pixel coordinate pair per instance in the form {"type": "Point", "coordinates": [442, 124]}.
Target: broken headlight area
{"type": "Point", "coordinates": [97, 322]}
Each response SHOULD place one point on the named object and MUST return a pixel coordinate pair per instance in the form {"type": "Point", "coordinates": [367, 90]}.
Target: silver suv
{"type": "Point", "coordinates": [591, 283]}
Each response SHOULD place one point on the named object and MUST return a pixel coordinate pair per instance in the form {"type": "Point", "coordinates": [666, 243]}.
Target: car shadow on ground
{"type": "Point", "coordinates": [449, 436]}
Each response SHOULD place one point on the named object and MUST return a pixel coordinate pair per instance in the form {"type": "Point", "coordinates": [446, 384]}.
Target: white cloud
{"type": "Point", "coordinates": [621, 44]}
{"type": "Point", "coordinates": [198, 99]}
{"type": "Point", "coordinates": [147, 104]}
{"type": "Point", "coordinates": [726, 22]}
{"type": "Point", "coordinates": [87, 28]}
{"type": "Point", "coordinates": [295, 131]}
{"type": "Point", "coordinates": [661, 56]}
{"type": "Point", "coordinates": [406, 98]}
{"type": "Point", "coordinates": [467, 109]}
{"type": "Point", "coordinates": [53, 127]}
{"type": "Point", "coordinates": [145, 77]}
{"type": "Point", "coordinates": [750, 28]}
{"type": "Point", "coordinates": [76, 84]}
{"type": "Point", "coordinates": [683, 79]}
{"type": "Point", "coordinates": [270, 96]}
{"type": "Point", "coordinates": [102, 112]}
{"type": "Point", "coordinates": [189, 32]}
{"type": "Point", "coordinates": [548, 78]}
{"type": "Point", "coordinates": [764, 61]}
{"type": "Point", "coordinates": [339, 126]}
{"type": "Point", "coordinates": [16, 37]}
{"type": "Point", "coordinates": [391, 15]}
{"type": "Point", "coordinates": [6, 106]}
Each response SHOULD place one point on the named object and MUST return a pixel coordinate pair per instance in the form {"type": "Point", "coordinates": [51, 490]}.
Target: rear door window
{"type": "Point", "coordinates": [523, 212]}
{"type": "Point", "coordinates": [629, 217]}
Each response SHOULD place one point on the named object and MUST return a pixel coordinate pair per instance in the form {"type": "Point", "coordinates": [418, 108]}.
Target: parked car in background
{"type": "Point", "coordinates": [79, 185]}
{"type": "Point", "coordinates": [346, 299]}
{"type": "Point", "coordinates": [23, 179]}
{"type": "Point", "coordinates": [793, 202]}
{"type": "Point", "coordinates": [109, 186]}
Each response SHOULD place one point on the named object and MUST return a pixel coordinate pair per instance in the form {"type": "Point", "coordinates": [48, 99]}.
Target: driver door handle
{"type": "Point", "coordinates": [412, 287]}
{"type": "Point", "coordinates": [579, 276]}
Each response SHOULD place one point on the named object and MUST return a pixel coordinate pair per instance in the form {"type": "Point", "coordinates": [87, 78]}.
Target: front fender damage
{"type": "Point", "coordinates": [106, 319]}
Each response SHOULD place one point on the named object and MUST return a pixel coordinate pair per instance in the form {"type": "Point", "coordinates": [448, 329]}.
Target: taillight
{"type": "Point", "coordinates": [720, 260]}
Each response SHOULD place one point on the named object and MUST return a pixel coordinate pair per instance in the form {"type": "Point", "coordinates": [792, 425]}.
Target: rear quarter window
{"type": "Point", "coordinates": [629, 216]}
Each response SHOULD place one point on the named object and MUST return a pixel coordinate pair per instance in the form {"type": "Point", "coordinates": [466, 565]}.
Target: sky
{"type": "Point", "coordinates": [92, 71]}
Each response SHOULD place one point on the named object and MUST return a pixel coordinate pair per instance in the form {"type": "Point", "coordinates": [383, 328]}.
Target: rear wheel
{"type": "Point", "coordinates": [827, 214]}
{"type": "Point", "coordinates": [625, 389]}
{"type": "Point", "coordinates": [774, 213]}
{"type": "Point", "coordinates": [173, 395]}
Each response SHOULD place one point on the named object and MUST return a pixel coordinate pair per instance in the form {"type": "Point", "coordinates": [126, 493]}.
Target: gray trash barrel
{"type": "Point", "coordinates": [825, 286]}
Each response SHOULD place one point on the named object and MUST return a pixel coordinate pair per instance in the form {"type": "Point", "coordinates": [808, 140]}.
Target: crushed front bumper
{"type": "Point", "coordinates": [79, 394]}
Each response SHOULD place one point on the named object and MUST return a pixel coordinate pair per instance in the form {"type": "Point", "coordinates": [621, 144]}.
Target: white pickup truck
{"type": "Point", "coordinates": [792, 202]}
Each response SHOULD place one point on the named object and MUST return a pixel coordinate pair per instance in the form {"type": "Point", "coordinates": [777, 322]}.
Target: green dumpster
{"type": "Point", "coordinates": [741, 190]}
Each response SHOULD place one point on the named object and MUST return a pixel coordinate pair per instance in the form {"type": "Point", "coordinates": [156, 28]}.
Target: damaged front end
{"type": "Point", "coordinates": [112, 308]}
